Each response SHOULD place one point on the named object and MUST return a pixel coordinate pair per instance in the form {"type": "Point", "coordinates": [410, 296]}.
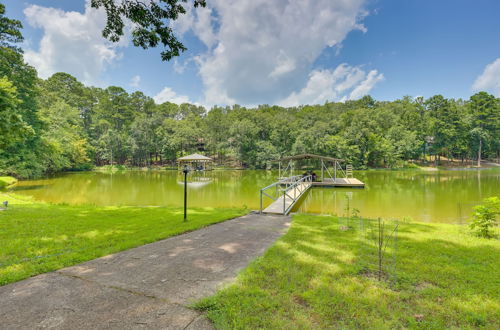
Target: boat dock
{"type": "Point", "coordinates": [288, 190]}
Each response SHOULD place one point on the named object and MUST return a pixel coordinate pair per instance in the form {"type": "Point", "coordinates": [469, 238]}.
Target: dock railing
{"type": "Point", "coordinates": [298, 189]}
{"type": "Point", "coordinates": [281, 189]}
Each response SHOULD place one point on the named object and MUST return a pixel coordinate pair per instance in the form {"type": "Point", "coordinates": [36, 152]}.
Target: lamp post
{"type": "Point", "coordinates": [185, 170]}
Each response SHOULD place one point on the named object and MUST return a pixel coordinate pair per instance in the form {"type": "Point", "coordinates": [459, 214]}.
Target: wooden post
{"type": "Point", "coordinates": [279, 170]}
{"type": "Point", "coordinates": [479, 152]}
{"type": "Point", "coordinates": [335, 173]}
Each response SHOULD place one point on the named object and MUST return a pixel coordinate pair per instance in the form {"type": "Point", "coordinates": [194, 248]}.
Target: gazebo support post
{"type": "Point", "coordinates": [322, 171]}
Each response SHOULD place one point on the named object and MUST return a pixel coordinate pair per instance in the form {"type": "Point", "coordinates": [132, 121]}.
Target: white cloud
{"type": "Point", "coordinates": [262, 51]}
{"type": "Point", "coordinates": [257, 51]}
{"type": "Point", "coordinates": [72, 42]}
{"type": "Point", "coordinates": [489, 80]}
{"type": "Point", "coordinates": [284, 65]}
{"type": "Point", "coordinates": [200, 21]}
{"type": "Point", "coordinates": [168, 95]}
{"type": "Point", "coordinates": [135, 81]}
{"type": "Point", "coordinates": [178, 67]}
{"type": "Point", "coordinates": [366, 85]}
{"type": "Point", "coordinates": [343, 83]}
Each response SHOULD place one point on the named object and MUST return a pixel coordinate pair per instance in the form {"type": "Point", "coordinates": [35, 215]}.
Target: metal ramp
{"type": "Point", "coordinates": [286, 194]}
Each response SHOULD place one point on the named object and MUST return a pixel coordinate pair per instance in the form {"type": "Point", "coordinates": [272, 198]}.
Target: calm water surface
{"type": "Point", "coordinates": [440, 196]}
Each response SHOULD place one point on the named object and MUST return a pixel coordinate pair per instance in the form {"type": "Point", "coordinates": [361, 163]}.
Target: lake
{"type": "Point", "coordinates": [430, 196]}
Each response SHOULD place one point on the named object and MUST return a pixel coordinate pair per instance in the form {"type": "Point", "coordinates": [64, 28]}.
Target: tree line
{"type": "Point", "coordinates": [59, 124]}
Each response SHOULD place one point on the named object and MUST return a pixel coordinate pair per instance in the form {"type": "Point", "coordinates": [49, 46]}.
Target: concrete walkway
{"type": "Point", "coordinates": [147, 287]}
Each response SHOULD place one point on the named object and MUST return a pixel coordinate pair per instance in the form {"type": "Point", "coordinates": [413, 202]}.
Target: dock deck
{"type": "Point", "coordinates": [340, 182]}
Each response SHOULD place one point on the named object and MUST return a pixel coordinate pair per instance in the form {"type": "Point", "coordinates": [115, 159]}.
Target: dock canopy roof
{"type": "Point", "coordinates": [195, 158]}
{"type": "Point", "coordinates": [309, 156]}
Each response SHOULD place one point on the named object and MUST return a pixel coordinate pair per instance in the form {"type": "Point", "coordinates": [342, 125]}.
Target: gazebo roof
{"type": "Point", "coordinates": [309, 156]}
{"type": "Point", "coordinates": [195, 158]}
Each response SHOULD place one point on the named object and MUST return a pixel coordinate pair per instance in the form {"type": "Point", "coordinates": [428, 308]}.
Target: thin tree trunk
{"type": "Point", "coordinates": [479, 152]}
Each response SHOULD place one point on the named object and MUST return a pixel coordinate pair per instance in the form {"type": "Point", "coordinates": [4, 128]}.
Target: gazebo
{"type": "Point", "coordinates": [195, 162]}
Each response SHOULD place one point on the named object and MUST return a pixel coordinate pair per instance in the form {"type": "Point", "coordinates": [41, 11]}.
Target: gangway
{"type": "Point", "coordinates": [287, 192]}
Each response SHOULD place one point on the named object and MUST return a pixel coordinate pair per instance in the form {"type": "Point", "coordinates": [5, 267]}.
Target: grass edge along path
{"type": "Point", "coordinates": [38, 237]}
{"type": "Point", "coordinates": [313, 277]}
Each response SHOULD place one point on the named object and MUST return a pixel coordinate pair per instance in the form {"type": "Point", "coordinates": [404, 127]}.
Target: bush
{"type": "Point", "coordinates": [485, 217]}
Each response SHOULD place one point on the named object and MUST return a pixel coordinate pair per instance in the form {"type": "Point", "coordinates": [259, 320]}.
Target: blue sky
{"type": "Point", "coordinates": [281, 52]}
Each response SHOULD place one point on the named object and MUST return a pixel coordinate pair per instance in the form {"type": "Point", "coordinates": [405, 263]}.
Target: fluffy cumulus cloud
{"type": "Point", "coordinates": [264, 51]}
{"type": "Point", "coordinates": [72, 42]}
{"type": "Point", "coordinates": [168, 95]}
{"type": "Point", "coordinates": [343, 83]}
{"type": "Point", "coordinates": [489, 80]}
{"type": "Point", "coordinates": [256, 51]}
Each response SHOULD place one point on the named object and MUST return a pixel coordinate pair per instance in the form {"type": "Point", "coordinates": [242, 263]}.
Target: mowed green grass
{"type": "Point", "coordinates": [39, 237]}
{"type": "Point", "coordinates": [315, 277]}
{"type": "Point", "coordinates": [6, 181]}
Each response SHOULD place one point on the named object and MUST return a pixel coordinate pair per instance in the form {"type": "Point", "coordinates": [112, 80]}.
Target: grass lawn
{"type": "Point", "coordinates": [317, 276]}
{"type": "Point", "coordinates": [39, 237]}
{"type": "Point", "coordinates": [6, 181]}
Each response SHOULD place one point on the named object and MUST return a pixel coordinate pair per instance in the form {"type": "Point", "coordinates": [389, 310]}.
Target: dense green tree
{"type": "Point", "coordinates": [12, 126]}
{"type": "Point", "coordinates": [22, 143]}
{"type": "Point", "coordinates": [60, 124]}
{"type": "Point", "coordinates": [485, 111]}
{"type": "Point", "coordinates": [64, 133]}
{"type": "Point", "coordinates": [73, 93]}
{"type": "Point", "coordinates": [10, 31]}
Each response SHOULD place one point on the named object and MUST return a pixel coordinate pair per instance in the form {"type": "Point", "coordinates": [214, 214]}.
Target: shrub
{"type": "Point", "coordinates": [485, 217]}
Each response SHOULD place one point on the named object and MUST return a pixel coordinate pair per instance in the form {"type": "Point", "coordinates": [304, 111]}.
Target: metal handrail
{"type": "Point", "coordinates": [290, 179]}
{"type": "Point", "coordinates": [296, 184]}
{"type": "Point", "coordinates": [341, 169]}
{"type": "Point", "coordinates": [282, 181]}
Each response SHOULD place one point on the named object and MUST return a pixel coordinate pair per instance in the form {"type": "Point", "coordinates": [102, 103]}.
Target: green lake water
{"type": "Point", "coordinates": [438, 196]}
